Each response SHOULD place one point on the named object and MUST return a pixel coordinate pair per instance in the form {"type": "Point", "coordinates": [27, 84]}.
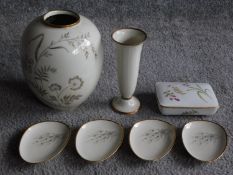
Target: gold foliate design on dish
{"type": "Point", "coordinates": [101, 136]}
{"type": "Point", "coordinates": [205, 138]}
{"type": "Point", "coordinates": [154, 135]}
{"type": "Point", "coordinates": [48, 138]}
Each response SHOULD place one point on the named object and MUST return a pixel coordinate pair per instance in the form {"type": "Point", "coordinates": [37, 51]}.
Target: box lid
{"type": "Point", "coordinates": [192, 95]}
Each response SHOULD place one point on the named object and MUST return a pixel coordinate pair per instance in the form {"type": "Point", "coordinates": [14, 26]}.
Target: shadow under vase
{"type": "Point", "coordinates": [148, 102]}
{"type": "Point", "coordinates": [16, 96]}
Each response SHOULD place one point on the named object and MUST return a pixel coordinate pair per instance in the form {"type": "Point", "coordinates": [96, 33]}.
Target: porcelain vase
{"type": "Point", "coordinates": [129, 43]}
{"type": "Point", "coordinates": [62, 57]}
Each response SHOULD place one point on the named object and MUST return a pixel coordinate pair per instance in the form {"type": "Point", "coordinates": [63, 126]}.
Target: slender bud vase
{"type": "Point", "coordinates": [129, 43]}
{"type": "Point", "coordinates": [62, 57]}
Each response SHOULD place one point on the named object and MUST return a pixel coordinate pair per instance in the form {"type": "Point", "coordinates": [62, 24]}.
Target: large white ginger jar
{"type": "Point", "coordinates": [62, 57]}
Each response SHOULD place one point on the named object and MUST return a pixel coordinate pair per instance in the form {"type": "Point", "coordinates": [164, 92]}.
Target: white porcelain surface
{"type": "Point", "coordinates": [129, 43]}
{"type": "Point", "coordinates": [204, 140]}
{"type": "Point", "coordinates": [43, 141]}
{"type": "Point", "coordinates": [177, 98]}
{"type": "Point", "coordinates": [126, 106]}
{"type": "Point", "coordinates": [129, 36]}
{"type": "Point", "coordinates": [62, 65]}
{"type": "Point", "coordinates": [152, 139]}
{"type": "Point", "coordinates": [98, 140]}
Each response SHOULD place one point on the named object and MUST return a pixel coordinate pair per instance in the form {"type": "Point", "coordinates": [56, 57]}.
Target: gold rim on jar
{"type": "Point", "coordinates": [60, 12]}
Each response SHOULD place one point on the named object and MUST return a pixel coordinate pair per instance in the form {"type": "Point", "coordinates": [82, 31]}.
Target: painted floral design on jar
{"type": "Point", "coordinates": [55, 87]}
{"type": "Point", "coordinates": [60, 95]}
{"type": "Point", "coordinates": [75, 83]}
{"type": "Point", "coordinates": [41, 74]}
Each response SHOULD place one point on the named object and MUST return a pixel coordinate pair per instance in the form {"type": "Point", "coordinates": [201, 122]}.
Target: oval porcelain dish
{"type": "Point", "coordinates": [152, 139]}
{"type": "Point", "coordinates": [98, 140]}
{"type": "Point", "coordinates": [204, 140]}
{"type": "Point", "coordinates": [43, 141]}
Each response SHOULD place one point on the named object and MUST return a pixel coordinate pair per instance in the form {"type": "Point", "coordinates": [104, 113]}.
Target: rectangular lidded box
{"type": "Point", "coordinates": [177, 98]}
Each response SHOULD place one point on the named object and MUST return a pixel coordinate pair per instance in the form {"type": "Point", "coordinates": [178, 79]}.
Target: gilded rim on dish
{"type": "Point", "coordinates": [172, 145]}
{"type": "Point", "coordinates": [117, 148]}
{"type": "Point", "coordinates": [44, 17]}
{"type": "Point", "coordinates": [212, 160]}
{"type": "Point", "coordinates": [59, 152]}
{"type": "Point", "coordinates": [128, 28]}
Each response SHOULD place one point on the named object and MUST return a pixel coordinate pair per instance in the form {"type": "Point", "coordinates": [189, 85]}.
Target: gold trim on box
{"type": "Point", "coordinates": [190, 107]}
{"type": "Point", "coordinates": [212, 160]}
{"type": "Point", "coordinates": [121, 141]}
{"type": "Point", "coordinates": [59, 152]}
{"type": "Point", "coordinates": [61, 26]}
{"type": "Point", "coordinates": [167, 151]}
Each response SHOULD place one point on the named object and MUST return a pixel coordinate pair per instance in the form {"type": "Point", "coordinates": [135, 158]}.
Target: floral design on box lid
{"type": "Point", "coordinates": [175, 92]}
